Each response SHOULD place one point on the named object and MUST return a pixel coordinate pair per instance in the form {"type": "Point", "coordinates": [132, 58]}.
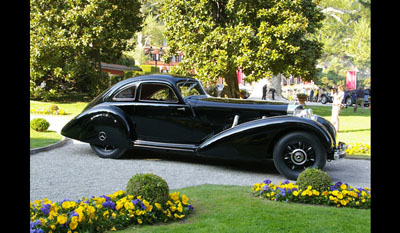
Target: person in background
{"type": "Point", "coordinates": [360, 99]}
{"type": "Point", "coordinates": [272, 90]}
{"type": "Point", "coordinates": [336, 106]}
{"type": "Point", "coordinates": [316, 95]}
{"type": "Point", "coordinates": [312, 95]}
{"type": "Point", "coordinates": [264, 92]}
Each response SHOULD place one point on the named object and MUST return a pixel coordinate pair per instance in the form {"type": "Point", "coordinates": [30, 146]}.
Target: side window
{"type": "Point", "coordinates": [127, 94]}
{"type": "Point", "coordinates": [157, 92]}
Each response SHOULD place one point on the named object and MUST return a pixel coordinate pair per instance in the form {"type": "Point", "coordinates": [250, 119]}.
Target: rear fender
{"type": "Point", "coordinates": [257, 138]}
{"type": "Point", "coordinates": [100, 125]}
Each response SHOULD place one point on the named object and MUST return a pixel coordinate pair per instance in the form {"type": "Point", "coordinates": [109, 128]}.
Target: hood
{"type": "Point", "coordinates": [207, 101]}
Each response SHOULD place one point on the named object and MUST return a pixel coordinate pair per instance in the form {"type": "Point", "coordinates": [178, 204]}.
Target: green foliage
{"type": "Point", "coordinates": [314, 177]}
{"type": "Point", "coordinates": [69, 39]}
{"type": "Point", "coordinates": [53, 107]}
{"type": "Point", "coordinates": [149, 69]}
{"type": "Point", "coordinates": [151, 187]}
{"type": "Point", "coordinates": [39, 124]}
{"type": "Point", "coordinates": [262, 37]}
{"type": "Point", "coordinates": [346, 35]}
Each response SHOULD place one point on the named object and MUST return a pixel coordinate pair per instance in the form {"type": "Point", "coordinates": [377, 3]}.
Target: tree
{"type": "Point", "coordinates": [264, 38]}
{"type": "Point", "coordinates": [69, 40]}
{"type": "Point", "coordinates": [346, 35]}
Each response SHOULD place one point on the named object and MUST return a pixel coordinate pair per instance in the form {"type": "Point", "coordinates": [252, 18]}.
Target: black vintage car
{"type": "Point", "coordinates": [349, 98]}
{"type": "Point", "coordinates": [171, 113]}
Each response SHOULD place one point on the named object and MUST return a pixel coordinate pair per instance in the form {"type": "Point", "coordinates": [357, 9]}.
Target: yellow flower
{"type": "Point", "coordinates": [175, 196]}
{"type": "Point", "coordinates": [343, 202]}
{"type": "Point", "coordinates": [91, 209]}
{"type": "Point", "coordinates": [335, 192]}
{"type": "Point", "coordinates": [61, 219]}
{"type": "Point", "coordinates": [325, 193]}
{"type": "Point", "coordinates": [315, 192]}
{"type": "Point", "coordinates": [139, 221]}
{"type": "Point", "coordinates": [180, 208]}
{"type": "Point", "coordinates": [105, 214]}
{"type": "Point", "coordinates": [343, 186]}
{"type": "Point", "coordinates": [340, 195]}
{"type": "Point", "coordinates": [148, 206]}
{"type": "Point", "coordinates": [295, 193]}
{"type": "Point", "coordinates": [158, 206]}
{"type": "Point", "coordinates": [74, 223]}
{"type": "Point", "coordinates": [100, 200]}
{"type": "Point", "coordinates": [185, 199]}
{"type": "Point", "coordinates": [179, 216]}
{"type": "Point", "coordinates": [309, 187]}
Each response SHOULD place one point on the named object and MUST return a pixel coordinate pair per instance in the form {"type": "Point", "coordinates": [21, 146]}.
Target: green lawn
{"type": "Point", "coordinates": [41, 139]}
{"type": "Point", "coordinates": [220, 208]}
{"type": "Point", "coordinates": [72, 108]}
{"type": "Point", "coordinates": [353, 127]}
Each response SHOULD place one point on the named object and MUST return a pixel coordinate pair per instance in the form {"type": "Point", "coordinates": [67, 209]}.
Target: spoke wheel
{"type": "Point", "coordinates": [299, 156]}
{"type": "Point", "coordinates": [296, 151]}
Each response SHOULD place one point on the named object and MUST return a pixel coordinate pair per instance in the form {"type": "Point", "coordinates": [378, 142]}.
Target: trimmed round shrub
{"type": "Point", "coordinates": [39, 124]}
{"type": "Point", "coordinates": [318, 179]}
{"type": "Point", "coordinates": [53, 108]}
{"type": "Point", "coordinates": [152, 188]}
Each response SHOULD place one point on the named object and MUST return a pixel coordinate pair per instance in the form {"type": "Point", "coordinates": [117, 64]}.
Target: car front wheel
{"type": "Point", "coordinates": [296, 151]}
{"type": "Point", "coordinates": [108, 152]}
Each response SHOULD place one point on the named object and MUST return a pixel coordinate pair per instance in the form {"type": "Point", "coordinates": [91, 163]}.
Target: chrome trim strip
{"type": "Point", "coordinates": [165, 146]}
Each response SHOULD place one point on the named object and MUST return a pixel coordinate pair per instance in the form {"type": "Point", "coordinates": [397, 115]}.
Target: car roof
{"type": "Point", "coordinates": [173, 79]}
{"type": "Point", "coordinates": [160, 77]}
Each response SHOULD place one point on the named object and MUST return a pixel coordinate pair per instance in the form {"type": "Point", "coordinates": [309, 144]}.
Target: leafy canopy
{"type": "Point", "coordinates": [69, 39]}
{"type": "Point", "coordinates": [264, 38]}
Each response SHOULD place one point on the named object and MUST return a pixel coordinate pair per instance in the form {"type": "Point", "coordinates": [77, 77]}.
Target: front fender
{"type": "Point", "coordinates": [256, 139]}
{"type": "Point", "coordinates": [101, 125]}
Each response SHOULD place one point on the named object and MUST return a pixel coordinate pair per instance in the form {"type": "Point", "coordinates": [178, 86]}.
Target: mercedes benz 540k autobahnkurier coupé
{"type": "Point", "coordinates": [174, 113]}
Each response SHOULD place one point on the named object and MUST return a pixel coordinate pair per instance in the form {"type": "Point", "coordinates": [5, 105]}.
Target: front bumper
{"type": "Point", "coordinates": [340, 151]}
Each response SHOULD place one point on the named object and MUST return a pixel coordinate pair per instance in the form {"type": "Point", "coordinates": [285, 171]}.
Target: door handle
{"type": "Point", "coordinates": [181, 109]}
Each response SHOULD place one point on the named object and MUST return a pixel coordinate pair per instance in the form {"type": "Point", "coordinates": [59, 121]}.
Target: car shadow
{"type": "Point", "coordinates": [263, 166]}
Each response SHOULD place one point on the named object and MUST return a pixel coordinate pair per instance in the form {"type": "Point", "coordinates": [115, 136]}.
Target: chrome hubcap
{"type": "Point", "coordinates": [298, 157]}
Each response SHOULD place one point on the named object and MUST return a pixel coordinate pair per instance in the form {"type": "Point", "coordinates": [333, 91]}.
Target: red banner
{"type": "Point", "coordinates": [239, 74]}
{"type": "Point", "coordinates": [351, 80]}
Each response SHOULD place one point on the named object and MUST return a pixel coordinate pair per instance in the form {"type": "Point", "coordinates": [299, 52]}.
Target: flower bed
{"type": "Point", "coordinates": [47, 111]}
{"type": "Point", "coordinates": [339, 194]}
{"type": "Point", "coordinates": [358, 148]}
{"type": "Point", "coordinates": [107, 212]}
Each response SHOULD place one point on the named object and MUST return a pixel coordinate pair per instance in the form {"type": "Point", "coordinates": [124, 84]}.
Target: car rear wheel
{"type": "Point", "coordinates": [108, 152]}
{"type": "Point", "coordinates": [324, 99]}
{"type": "Point", "coordinates": [297, 151]}
{"type": "Point", "coordinates": [349, 101]}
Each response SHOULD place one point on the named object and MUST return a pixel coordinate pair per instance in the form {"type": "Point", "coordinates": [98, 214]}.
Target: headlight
{"type": "Point", "coordinates": [305, 113]}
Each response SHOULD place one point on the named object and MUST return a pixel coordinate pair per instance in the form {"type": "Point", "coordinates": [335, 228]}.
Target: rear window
{"type": "Point", "coordinates": [126, 94]}
{"type": "Point", "coordinates": [157, 92]}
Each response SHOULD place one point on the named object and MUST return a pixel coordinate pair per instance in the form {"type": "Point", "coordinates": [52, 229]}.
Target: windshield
{"type": "Point", "coordinates": [188, 88]}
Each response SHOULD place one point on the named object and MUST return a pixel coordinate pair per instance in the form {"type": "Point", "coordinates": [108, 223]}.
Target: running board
{"type": "Point", "coordinates": [164, 146]}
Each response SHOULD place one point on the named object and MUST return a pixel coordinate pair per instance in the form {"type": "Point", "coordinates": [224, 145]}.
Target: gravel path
{"type": "Point", "coordinates": [73, 171]}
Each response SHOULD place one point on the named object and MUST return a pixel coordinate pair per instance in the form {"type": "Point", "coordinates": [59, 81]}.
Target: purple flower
{"type": "Point", "coordinates": [267, 181]}
{"type": "Point", "coordinates": [140, 202]}
{"type": "Point", "coordinates": [73, 213]}
{"type": "Point", "coordinates": [106, 197]}
{"type": "Point", "coordinates": [33, 225]}
{"type": "Point", "coordinates": [45, 209]}
{"type": "Point", "coordinates": [191, 207]}
{"type": "Point", "coordinates": [109, 204]}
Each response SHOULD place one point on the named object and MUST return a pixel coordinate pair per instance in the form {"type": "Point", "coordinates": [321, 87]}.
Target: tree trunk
{"type": "Point", "coordinates": [276, 83]}
{"type": "Point", "coordinates": [232, 88]}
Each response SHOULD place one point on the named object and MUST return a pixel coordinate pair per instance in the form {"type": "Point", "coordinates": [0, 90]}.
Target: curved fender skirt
{"type": "Point", "coordinates": [252, 140]}
{"type": "Point", "coordinates": [102, 125]}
